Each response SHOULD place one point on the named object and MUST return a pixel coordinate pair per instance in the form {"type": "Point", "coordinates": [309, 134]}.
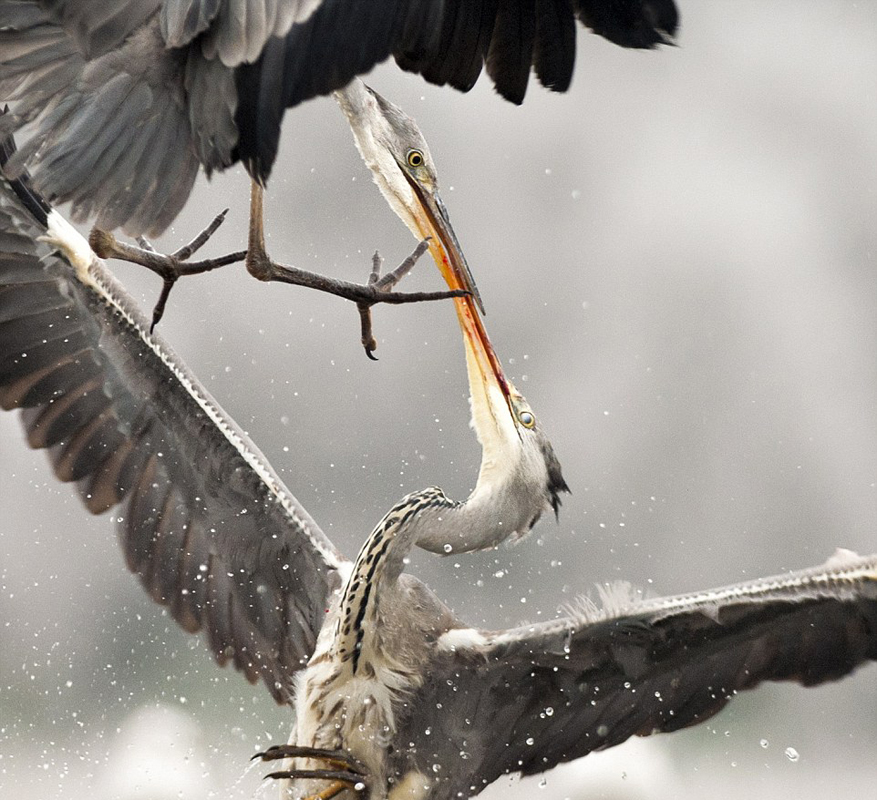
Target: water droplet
{"type": "Point", "coordinates": [530, 741]}
{"type": "Point", "coordinates": [447, 548]}
{"type": "Point", "coordinates": [792, 754]}
{"type": "Point", "coordinates": [764, 743]}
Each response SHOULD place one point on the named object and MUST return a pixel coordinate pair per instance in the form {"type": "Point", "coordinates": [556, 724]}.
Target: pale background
{"type": "Point", "coordinates": [678, 260]}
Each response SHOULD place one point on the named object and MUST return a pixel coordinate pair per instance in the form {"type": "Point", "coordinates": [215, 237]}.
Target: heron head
{"type": "Point", "coordinates": [520, 474]}
{"type": "Point", "coordinates": [396, 152]}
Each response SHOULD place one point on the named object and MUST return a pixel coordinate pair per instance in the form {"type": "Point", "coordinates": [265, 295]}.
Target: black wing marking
{"type": "Point", "coordinates": [511, 36]}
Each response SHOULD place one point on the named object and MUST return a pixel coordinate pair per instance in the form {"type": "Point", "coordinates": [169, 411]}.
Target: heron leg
{"type": "Point", "coordinates": [169, 267]}
{"type": "Point", "coordinates": [376, 290]}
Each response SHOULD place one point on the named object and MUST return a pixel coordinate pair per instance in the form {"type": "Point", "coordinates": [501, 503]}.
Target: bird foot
{"type": "Point", "coordinates": [169, 267]}
{"type": "Point", "coordinates": [377, 290]}
{"type": "Point", "coordinates": [346, 773]}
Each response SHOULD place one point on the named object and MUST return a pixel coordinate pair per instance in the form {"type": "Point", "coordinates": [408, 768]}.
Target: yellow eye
{"type": "Point", "coordinates": [526, 419]}
{"type": "Point", "coordinates": [415, 158]}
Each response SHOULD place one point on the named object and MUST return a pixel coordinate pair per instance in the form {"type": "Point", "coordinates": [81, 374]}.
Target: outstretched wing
{"type": "Point", "coordinates": [209, 528]}
{"type": "Point", "coordinates": [129, 96]}
{"type": "Point", "coordinates": [446, 41]}
{"type": "Point", "coordinates": [526, 699]}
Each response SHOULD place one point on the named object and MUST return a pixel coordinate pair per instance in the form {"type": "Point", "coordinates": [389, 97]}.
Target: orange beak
{"type": "Point", "coordinates": [435, 224]}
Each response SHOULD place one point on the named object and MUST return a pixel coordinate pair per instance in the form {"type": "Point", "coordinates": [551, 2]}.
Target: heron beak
{"type": "Point", "coordinates": [432, 220]}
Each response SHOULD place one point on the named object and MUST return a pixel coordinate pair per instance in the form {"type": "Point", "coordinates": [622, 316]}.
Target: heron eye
{"type": "Point", "coordinates": [526, 419]}
{"type": "Point", "coordinates": [415, 158]}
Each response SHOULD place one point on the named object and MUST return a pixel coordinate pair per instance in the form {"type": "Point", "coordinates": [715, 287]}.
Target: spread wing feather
{"type": "Point", "coordinates": [128, 97]}
{"type": "Point", "coordinates": [527, 699]}
{"type": "Point", "coordinates": [206, 524]}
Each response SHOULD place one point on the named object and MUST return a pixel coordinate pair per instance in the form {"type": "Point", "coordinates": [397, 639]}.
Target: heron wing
{"type": "Point", "coordinates": [111, 127]}
{"type": "Point", "coordinates": [510, 38]}
{"type": "Point", "coordinates": [209, 528]}
{"type": "Point", "coordinates": [127, 97]}
{"type": "Point", "coordinates": [527, 699]}
{"type": "Point", "coordinates": [447, 42]}
{"type": "Point", "coordinates": [235, 31]}
{"type": "Point", "coordinates": [96, 26]}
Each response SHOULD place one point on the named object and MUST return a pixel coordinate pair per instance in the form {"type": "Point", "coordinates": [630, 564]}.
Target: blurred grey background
{"type": "Point", "coordinates": [678, 260]}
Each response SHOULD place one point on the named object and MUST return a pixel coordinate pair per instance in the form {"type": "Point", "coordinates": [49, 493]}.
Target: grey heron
{"type": "Point", "coordinates": [394, 692]}
{"type": "Point", "coordinates": [129, 98]}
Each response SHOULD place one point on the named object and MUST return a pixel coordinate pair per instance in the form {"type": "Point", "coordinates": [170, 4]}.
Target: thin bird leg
{"type": "Point", "coordinates": [168, 267]}
{"type": "Point", "coordinates": [377, 290]}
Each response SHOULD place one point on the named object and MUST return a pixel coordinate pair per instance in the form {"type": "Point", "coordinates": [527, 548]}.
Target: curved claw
{"type": "Point", "coordinates": [339, 757]}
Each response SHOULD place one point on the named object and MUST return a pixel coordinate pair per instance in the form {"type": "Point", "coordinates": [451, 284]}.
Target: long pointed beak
{"type": "Point", "coordinates": [433, 222]}
{"type": "Point", "coordinates": [444, 247]}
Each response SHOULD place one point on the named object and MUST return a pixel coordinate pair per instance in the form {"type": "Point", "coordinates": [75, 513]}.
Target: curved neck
{"type": "Point", "coordinates": [378, 566]}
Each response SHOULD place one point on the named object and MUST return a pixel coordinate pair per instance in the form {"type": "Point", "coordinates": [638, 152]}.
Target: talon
{"type": "Point", "coordinates": [367, 338]}
{"type": "Point", "coordinates": [161, 303]}
{"type": "Point", "coordinates": [338, 758]}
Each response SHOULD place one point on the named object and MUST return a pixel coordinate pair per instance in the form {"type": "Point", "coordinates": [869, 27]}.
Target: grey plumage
{"type": "Point", "coordinates": [562, 689]}
{"type": "Point", "coordinates": [79, 360]}
{"type": "Point", "coordinates": [128, 97]}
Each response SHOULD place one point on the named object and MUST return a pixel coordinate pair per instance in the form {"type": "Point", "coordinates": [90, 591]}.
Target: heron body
{"type": "Point", "coordinates": [433, 708]}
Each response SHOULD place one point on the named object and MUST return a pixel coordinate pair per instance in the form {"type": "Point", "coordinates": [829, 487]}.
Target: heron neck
{"type": "Point", "coordinates": [352, 98]}
{"type": "Point", "coordinates": [492, 513]}
{"type": "Point", "coordinates": [377, 568]}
